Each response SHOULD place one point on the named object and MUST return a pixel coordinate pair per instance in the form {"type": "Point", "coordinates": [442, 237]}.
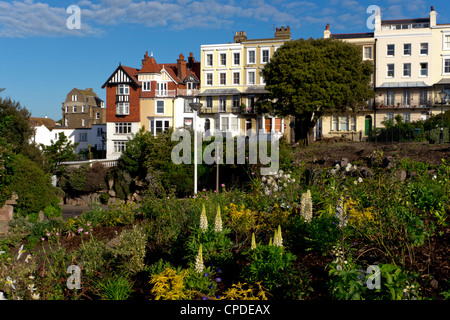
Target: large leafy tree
{"type": "Point", "coordinates": [310, 78]}
{"type": "Point", "coordinates": [60, 150]}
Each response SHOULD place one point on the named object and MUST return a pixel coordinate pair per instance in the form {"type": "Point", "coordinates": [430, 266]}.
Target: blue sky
{"type": "Point", "coordinates": [41, 59]}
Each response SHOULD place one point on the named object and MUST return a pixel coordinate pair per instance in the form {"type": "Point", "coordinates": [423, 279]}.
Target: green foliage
{"type": "Point", "coordinates": [116, 288]}
{"type": "Point", "coordinates": [119, 214]}
{"type": "Point", "coordinates": [273, 266]}
{"type": "Point", "coordinates": [58, 151]}
{"type": "Point", "coordinates": [204, 282]}
{"type": "Point", "coordinates": [148, 159]}
{"type": "Point", "coordinates": [131, 249]}
{"type": "Point", "coordinates": [308, 78]}
{"type": "Point", "coordinates": [94, 256]}
{"type": "Point", "coordinates": [33, 187]}
{"type": "Point", "coordinates": [15, 126]}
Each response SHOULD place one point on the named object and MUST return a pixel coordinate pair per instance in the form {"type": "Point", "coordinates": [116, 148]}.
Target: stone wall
{"type": "Point", "coordinates": [6, 213]}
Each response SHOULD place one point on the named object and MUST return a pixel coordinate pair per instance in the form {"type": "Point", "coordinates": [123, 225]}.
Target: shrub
{"type": "Point", "coordinates": [131, 249]}
{"type": "Point", "coordinates": [33, 187]}
{"type": "Point", "coordinates": [116, 288]}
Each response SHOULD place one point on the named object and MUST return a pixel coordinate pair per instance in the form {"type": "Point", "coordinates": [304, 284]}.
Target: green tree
{"type": "Point", "coordinates": [148, 158]}
{"type": "Point", "coordinates": [315, 77]}
{"type": "Point", "coordinates": [60, 150]}
{"type": "Point", "coordinates": [15, 125]}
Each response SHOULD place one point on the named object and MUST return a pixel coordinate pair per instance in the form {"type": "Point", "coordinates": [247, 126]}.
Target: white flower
{"type": "Point", "coordinates": [203, 219]}
{"type": "Point", "coordinates": [218, 221]}
{"type": "Point", "coordinates": [348, 167]}
{"type": "Point", "coordinates": [337, 166]}
{"type": "Point", "coordinates": [31, 287]}
{"type": "Point", "coordinates": [2, 296]}
{"type": "Point", "coordinates": [10, 282]}
{"type": "Point", "coordinates": [434, 177]}
{"type": "Point", "coordinates": [333, 171]}
{"type": "Point", "coordinates": [35, 296]}
{"type": "Point", "coordinates": [28, 258]}
{"type": "Point", "coordinates": [306, 206]}
{"type": "Point", "coordinates": [355, 182]}
{"type": "Point", "coordinates": [199, 266]}
{"type": "Point", "coordinates": [2, 252]}
{"type": "Point", "coordinates": [20, 252]}
{"type": "Point", "coordinates": [360, 180]}
{"type": "Point", "coordinates": [278, 239]}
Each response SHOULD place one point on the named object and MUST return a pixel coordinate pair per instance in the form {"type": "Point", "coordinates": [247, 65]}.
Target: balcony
{"type": "Point", "coordinates": [165, 93]}
{"type": "Point", "coordinates": [122, 98]}
{"type": "Point", "coordinates": [188, 92]}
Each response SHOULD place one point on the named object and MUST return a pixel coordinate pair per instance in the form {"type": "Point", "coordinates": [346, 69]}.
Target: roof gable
{"type": "Point", "coordinates": [121, 75]}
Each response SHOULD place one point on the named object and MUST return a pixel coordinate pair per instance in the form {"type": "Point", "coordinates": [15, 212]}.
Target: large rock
{"type": "Point", "coordinates": [388, 162]}
{"type": "Point", "coordinates": [401, 175]}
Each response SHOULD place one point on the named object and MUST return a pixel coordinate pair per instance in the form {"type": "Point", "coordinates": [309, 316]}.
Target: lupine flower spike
{"type": "Point", "coordinates": [203, 219]}
{"type": "Point", "coordinates": [218, 221]}
{"type": "Point", "coordinates": [253, 246]}
{"type": "Point", "coordinates": [306, 206]}
{"type": "Point", "coordinates": [199, 266]}
{"type": "Point", "coordinates": [278, 239]}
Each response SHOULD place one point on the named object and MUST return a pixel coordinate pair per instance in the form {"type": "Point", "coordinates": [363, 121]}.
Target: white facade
{"type": "Point", "coordinates": [117, 135]}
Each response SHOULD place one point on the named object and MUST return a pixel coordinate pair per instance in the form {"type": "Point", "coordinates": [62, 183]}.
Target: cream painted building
{"type": "Point", "coordinates": [412, 65]}
{"type": "Point", "coordinates": [232, 82]}
{"type": "Point", "coordinates": [354, 126]}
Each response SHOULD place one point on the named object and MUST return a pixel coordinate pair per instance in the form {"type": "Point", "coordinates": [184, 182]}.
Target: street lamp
{"type": "Point", "coordinates": [196, 106]}
{"type": "Point", "coordinates": [442, 95]}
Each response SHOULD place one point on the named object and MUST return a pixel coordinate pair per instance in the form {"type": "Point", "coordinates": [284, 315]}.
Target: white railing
{"type": "Point", "coordinates": [166, 93]}
{"type": "Point", "coordinates": [188, 92]}
{"type": "Point", "coordinates": [105, 162]}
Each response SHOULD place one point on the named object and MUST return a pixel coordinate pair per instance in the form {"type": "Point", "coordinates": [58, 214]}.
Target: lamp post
{"type": "Point", "coordinates": [196, 106]}
{"type": "Point", "coordinates": [442, 95]}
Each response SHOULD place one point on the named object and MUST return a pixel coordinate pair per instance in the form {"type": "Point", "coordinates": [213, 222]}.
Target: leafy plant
{"type": "Point", "coordinates": [116, 288]}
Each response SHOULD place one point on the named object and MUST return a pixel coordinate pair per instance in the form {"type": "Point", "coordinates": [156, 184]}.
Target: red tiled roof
{"type": "Point", "coordinates": [150, 66]}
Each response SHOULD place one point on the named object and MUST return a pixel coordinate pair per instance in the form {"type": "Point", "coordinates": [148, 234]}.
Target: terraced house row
{"type": "Point", "coordinates": [412, 65]}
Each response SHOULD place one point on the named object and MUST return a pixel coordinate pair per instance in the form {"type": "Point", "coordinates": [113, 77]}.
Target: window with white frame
{"type": "Point", "coordinates": [123, 89]}
{"type": "Point", "coordinates": [234, 124]}
{"type": "Point", "coordinates": [209, 102]}
{"type": "Point", "coordinates": [407, 70]}
{"type": "Point", "coordinates": [224, 123]}
{"type": "Point", "coordinates": [390, 71]}
{"type": "Point", "coordinates": [236, 58]}
{"type": "Point", "coordinates": [423, 97]}
{"type": "Point", "coordinates": [406, 98]}
{"type": "Point", "coordinates": [223, 78]}
{"type": "Point", "coordinates": [407, 49]}
{"type": "Point", "coordinates": [66, 122]}
{"type": "Point", "coordinates": [446, 41]}
{"type": "Point", "coordinates": [334, 123]}
{"type": "Point", "coordinates": [83, 122]}
{"type": "Point", "coordinates": [235, 102]}
{"type": "Point", "coordinates": [209, 79]}
{"type": "Point", "coordinates": [236, 78]}
{"type": "Point", "coordinates": [353, 123]}
{"type": "Point", "coordinates": [367, 53]}
{"type": "Point", "coordinates": [97, 115]}
{"type": "Point", "coordinates": [74, 97]}
{"type": "Point", "coordinates": [390, 98]}
{"type": "Point", "coordinates": [146, 85]}
{"type": "Point", "coordinates": [390, 50]}
{"type": "Point", "coordinates": [424, 69]}
{"type": "Point", "coordinates": [122, 128]}
{"type": "Point", "coordinates": [209, 59]}
{"type": "Point", "coordinates": [83, 108]}
{"type": "Point", "coordinates": [251, 56]}
{"type": "Point", "coordinates": [67, 109]}
{"type": "Point", "coordinates": [406, 117]}
{"type": "Point", "coordinates": [120, 146]}
{"type": "Point", "coordinates": [83, 136]}
{"type": "Point", "coordinates": [343, 123]}
{"type": "Point", "coordinates": [159, 125]}
{"type": "Point", "coordinates": [123, 108]}
{"type": "Point", "coordinates": [187, 107]}
{"type": "Point", "coordinates": [74, 109]}
{"type": "Point", "coordinates": [389, 116]}
{"type": "Point", "coordinates": [160, 107]}
{"type": "Point", "coordinates": [161, 89]}
{"type": "Point", "coordinates": [223, 59]}
{"type": "Point", "coordinates": [264, 55]}
{"type": "Point", "coordinates": [251, 77]}
{"type": "Point", "coordinates": [446, 65]}
{"type": "Point", "coordinates": [424, 49]}
{"type": "Point", "coordinates": [222, 104]}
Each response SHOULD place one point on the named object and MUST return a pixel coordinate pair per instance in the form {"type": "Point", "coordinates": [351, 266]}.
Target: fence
{"type": "Point", "coordinates": [399, 135]}
{"type": "Point", "coordinates": [106, 163]}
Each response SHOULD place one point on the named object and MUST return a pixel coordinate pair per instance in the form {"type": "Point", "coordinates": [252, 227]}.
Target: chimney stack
{"type": "Point", "coordinates": [145, 58]}
{"type": "Point", "coordinates": [433, 15]}
{"type": "Point", "coordinates": [283, 33]}
{"type": "Point", "coordinates": [240, 36]}
{"type": "Point", "coordinates": [327, 33]}
{"type": "Point", "coordinates": [181, 67]}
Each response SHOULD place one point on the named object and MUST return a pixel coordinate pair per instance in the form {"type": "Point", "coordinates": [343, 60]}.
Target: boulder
{"type": "Point", "coordinates": [401, 175]}
{"type": "Point", "coordinates": [388, 162]}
